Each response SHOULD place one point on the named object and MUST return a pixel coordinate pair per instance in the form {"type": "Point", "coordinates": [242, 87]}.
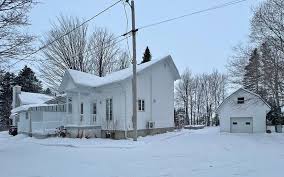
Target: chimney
{"type": "Point", "coordinates": [16, 92]}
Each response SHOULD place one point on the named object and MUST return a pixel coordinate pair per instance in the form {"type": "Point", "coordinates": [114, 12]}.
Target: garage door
{"type": "Point", "coordinates": [241, 124]}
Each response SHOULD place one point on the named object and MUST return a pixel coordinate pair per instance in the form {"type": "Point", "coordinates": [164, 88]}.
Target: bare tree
{"type": "Point", "coordinates": [200, 95]}
{"type": "Point", "coordinates": [104, 51]}
{"type": "Point", "coordinates": [14, 42]}
{"type": "Point", "coordinates": [267, 31]}
{"type": "Point", "coordinates": [68, 52]}
{"type": "Point", "coordinates": [237, 63]}
{"type": "Point", "coordinates": [268, 23]}
{"type": "Point", "coordinates": [123, 61]}
{"type": "Point", "coordinates": [183, 91]}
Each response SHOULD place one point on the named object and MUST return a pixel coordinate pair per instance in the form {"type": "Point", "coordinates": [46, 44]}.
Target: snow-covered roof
{"type": "Point", "coordinates": [26, 107]}
{"type": "Point", "coordinates": [90, 80]}
{"type": "Point", "coordinates": [33, 98]}
{"type": "Point", "coordinates": [242, 89]}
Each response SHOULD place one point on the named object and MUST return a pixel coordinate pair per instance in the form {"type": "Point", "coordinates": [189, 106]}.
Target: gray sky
{"type": "Point", "coordinates": [201, 42]}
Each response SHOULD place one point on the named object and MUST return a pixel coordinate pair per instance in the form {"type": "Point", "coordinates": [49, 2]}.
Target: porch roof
{"type": "Point", "coordinates": [33, 98]}
{"type": "Point", "coordinates": [27, 107]}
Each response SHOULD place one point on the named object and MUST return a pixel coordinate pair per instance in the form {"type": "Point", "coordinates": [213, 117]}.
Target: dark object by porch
{"type": "Point", "coordinates": [13, 130]}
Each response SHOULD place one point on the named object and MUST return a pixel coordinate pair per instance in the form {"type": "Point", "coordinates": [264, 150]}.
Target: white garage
{"type": "Point", "coordinates": [243, 112]}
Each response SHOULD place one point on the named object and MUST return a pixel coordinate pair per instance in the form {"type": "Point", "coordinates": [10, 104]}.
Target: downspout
{"type": "Point", "coordinates": [151, 96]}
{"type": "Point", "coordinates": [79, 108]}
{"type": "Point", "coordinates": [65, 122]}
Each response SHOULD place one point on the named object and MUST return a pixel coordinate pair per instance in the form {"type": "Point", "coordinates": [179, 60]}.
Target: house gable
{"type": "Point", "coordinates": [67, 83]}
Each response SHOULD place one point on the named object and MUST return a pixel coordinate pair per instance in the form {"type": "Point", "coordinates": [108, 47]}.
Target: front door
{"type": "Point", "coordinates": [94, 120]}
{"type": "Point", "coordinates": [109, 113]}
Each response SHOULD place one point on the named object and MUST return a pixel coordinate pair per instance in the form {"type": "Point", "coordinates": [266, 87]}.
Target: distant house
{"type": "Point", "coordinates": [101, 106]}
{"type": "Point", "coordinates": [243, 112]}
{"type": "Point", "coordinates": [33, 112]}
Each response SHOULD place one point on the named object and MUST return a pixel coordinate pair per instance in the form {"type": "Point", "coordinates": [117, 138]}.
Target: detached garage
{"type": "Point", "coordinates": [243, 112]}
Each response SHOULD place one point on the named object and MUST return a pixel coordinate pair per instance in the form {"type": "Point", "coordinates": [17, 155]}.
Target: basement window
{"type": "Point", "coordinates": [241, 100]}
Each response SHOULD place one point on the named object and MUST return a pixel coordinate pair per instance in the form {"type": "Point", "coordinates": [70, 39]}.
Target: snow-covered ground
{"type": "Point", "coordinates": [186, 153]}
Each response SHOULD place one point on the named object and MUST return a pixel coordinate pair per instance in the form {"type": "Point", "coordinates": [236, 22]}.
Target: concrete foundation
{"type": "Point", "coordinates": [96, 132]}
{"type": "Point", "coordinates": [121, 134]}
{"type": "Point", "coordinates": [83, 132]}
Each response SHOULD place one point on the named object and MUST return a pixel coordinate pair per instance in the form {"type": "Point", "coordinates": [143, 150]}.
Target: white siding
{"type": "Point", "coordinates": [253, 107]}
{"type": "Point", "coordinates": [23, 124]}
{"type": "Point", "coordinates": [156, 86]}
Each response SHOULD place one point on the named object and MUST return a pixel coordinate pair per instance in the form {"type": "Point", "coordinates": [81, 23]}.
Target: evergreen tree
{"type": "Point", "coordinates": [272, 70]}
{"type": "Point", "coordinates": [252, 76]}
{"type": "Point", "coordinates": [147, 56]}
{"type": "Point", "coordinates": [47, 91]}
{"type": "Point", "coordinates": [28, 81]}
{"type": "Point", "coordinates": [6, 93]}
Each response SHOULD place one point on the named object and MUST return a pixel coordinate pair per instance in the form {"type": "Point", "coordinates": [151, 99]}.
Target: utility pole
{"type": "Point", "coordinates": [134, 79]}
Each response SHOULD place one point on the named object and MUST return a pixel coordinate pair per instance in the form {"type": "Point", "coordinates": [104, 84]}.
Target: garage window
{"type": "Point", "coordinates": [241, 100]}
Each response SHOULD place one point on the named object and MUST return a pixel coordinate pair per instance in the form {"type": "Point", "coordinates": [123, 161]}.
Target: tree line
{"type": "Point", "coordinates": [259, 65]}
{"type": "Point", "coordinates": [198, 96]}
{"type": "Point", "coordinates": [28, 81]}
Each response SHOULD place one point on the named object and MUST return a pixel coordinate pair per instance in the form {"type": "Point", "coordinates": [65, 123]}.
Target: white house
{"type": "Point", "coordinates": [101, 106]}
{"type": "Point", "coordinates": [243, 112]}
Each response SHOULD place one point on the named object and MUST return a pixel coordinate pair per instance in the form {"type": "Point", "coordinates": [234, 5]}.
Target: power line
{"type": "Point", "coordinates": [88, 50]}
{"type": "Point", "coordinates": [193, 13]}
{"type": "Point", "coordinates": [60, 37]}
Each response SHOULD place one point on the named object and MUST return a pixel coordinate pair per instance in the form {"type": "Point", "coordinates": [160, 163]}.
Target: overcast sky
{"type": "Point", "coordinates": [201, 42]}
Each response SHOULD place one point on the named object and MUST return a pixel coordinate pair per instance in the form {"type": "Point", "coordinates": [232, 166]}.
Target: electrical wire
{"type": "Point", "coordinates": [60, 37]}
{"type": "Point", "coordinates": [193, 13]}
{"type": "Point", "coordinates": [88, 50]}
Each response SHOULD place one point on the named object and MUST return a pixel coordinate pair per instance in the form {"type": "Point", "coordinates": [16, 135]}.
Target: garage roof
{"type": "Point", "coordinates": [241, 89]}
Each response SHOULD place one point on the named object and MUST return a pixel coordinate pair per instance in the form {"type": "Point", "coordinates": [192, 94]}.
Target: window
{"type": "Point", "coordinates": [235, 123]}
{"type": "Point", "coordinates": [241, 100]}
{"type": "Point", "coordinates": [27, 115]}
{"type": "Point", "coordinates": [109, 109]}
{"type": "Point", "coordinates": [141, 105]}
{"type": "Point", "coordinates": [82, 108]}
{"type": "Point", "coordinates": [247, 123]}
{"type": "Point", "coordinates": [94, 112]}
{"type": "Point", "coordinates": [69, 104]}
{"type": "Point", "coordinates": [94, 108]}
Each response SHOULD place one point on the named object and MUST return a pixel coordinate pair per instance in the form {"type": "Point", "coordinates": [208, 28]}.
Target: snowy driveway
{"type": "Point", "coordinates": [199, 153]}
